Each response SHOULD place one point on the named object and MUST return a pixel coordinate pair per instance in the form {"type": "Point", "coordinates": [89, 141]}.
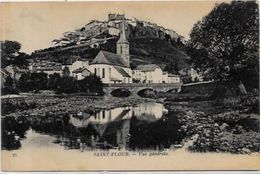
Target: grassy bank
{"type": "Point", "coordinates": [227, 125]}
{"type": "Point", "coordinates": [35, 105]}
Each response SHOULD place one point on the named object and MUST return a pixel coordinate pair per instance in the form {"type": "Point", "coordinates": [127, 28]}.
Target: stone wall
{"type": "Point", "coordinates": [199, 88]}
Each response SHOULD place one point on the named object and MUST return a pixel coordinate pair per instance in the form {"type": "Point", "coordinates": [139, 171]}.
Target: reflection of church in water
{"type": "Point", "coordinates": [114, 124]}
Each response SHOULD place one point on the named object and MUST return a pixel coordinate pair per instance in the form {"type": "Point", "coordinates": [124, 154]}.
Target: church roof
{"type": "Point", "coordinates": [122, 71]}
{"type": "Point", "coordinates": [109, 58]}
{"type": "Point", "coordinates": [148, 67]}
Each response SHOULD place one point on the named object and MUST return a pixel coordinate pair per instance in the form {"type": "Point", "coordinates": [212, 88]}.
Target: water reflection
{"type": "Point", "coordinates": [13, 129]}
{"type": "Point", "coordinates": [149, 111]}
{"type": "Point", "coordinates": [145, 125]}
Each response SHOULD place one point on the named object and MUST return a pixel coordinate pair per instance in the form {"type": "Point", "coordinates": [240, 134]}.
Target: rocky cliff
{"type": "Point", "coordinates": [149, 43]}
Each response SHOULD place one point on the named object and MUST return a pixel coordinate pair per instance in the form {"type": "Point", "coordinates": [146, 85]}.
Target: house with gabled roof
{"type": "Point", "coordinates": [114, 67]}
{"type": "Point", "coordinates": [80, 63]}
{"type": "Point", "coordinates": [81, 73]}
{"type": "Point", "coordinates": [150, 73]}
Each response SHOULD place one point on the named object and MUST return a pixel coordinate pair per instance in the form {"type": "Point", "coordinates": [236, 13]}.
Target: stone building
{"type": "Point", "coordinates": [150, 73]}
{"type": "Point", "coordinates": [172, 78]}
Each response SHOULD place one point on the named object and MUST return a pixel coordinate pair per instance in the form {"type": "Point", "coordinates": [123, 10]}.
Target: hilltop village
{"type": "Point", "coordinates": [110, 67]}
{"type": "Point", "coordinates": [92, 32]}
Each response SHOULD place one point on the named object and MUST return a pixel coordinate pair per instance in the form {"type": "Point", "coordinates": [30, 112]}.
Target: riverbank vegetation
{"type": "Point", "coordinates": [34, 82]}
{"type": "Point", "coordinates": [59, 105]}
{"type": "Point", "coordinates": [218, 127]}
{"type": "Point", "coordinates": [224, 47]}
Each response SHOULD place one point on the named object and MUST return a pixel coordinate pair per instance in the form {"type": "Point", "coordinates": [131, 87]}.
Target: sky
{"type": "Point", "coordinates": [36, 24]}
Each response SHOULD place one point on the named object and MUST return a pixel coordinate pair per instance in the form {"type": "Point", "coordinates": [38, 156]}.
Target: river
{"type": "Point", "coordinates": [130, 127]}
{"type": "Point", "coordinates": [69, 141]}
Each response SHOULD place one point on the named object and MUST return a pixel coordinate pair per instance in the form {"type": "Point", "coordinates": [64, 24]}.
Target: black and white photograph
{"type": "Point", "coordinates": [130, 86]}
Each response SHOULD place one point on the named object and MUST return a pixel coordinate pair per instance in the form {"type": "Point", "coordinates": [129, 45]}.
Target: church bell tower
{"type": "Point", "coordinates": [123, 45]}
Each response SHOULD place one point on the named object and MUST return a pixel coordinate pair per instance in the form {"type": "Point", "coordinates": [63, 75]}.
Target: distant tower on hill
{"type": "Point", "coordinates": [114, 16]}
{"type": "Point", "coordinates": [111, 16]}
{"type": "Point", "coordinates": [123, 45]}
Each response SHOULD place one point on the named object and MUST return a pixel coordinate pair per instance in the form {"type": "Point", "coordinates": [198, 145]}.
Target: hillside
{"type": "Point", "coordinates": [149, 43]}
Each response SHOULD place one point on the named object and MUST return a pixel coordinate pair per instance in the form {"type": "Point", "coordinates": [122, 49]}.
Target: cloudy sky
{"type": "Point", "coordinates": [35, 25]}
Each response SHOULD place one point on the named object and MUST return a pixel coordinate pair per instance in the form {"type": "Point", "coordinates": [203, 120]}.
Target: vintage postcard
{"type": "Point", "coordinates": [130, 86]}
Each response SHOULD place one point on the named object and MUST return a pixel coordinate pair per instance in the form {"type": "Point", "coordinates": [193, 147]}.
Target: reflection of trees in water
{"type": "Point", "coordinates": [115, 133]}
{"type": "Point", "coordinates": [13, 129]}
{"type": "Point", "coordinates": [152, 135]}
{"type": "Point", "coordinates": [67, 135]}
{"type": "Point", "coordinates": [131, 133]}
{"type": "Point", "coordinates": [51, 124]}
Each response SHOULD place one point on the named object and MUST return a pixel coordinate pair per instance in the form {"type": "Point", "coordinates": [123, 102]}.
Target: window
{"type": "Point", "coordinates": [110, 115]}
{"type": "Point", "coordinates": [95, 71]}
{"type": "Point", "coordinates": [121, 49]}
{"type": "Point", "coordinates": [103, 114]}
{"type": "Point", "coordinates": [103, 72]}
{"type": "Point", "coordinates": [109, 73]}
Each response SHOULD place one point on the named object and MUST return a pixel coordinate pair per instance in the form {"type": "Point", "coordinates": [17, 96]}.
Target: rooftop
{"type": "Point", "coordinates": [122, 71]}
{"type": "Point", "coordinates": [79, 70]}
{"type": "Point", "coordinates": [109, 58]}
{"type": "Point", "coordinates": [148, 67]}
{"type": "Point", "coordinates": [48, 68]}
{"type": "Point", "coordinates": [173, 75]}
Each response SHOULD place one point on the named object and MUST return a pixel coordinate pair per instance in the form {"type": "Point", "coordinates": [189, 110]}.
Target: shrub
{"type": "Point", "coordinates": [67, 85]}
{"type": "Point", "coordinates": [5, 91]}
{"type": "Point", "coordinates": [8, 107]}
{"type": "Point", "coordinates": [91, 83]}
{"type": "Point", "coordinates": [33, 81]}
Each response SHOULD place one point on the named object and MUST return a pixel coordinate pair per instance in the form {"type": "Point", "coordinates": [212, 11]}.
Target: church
{"type": "Point", "coordinates": [111, 67]}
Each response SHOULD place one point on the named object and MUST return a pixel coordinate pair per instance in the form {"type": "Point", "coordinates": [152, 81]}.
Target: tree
{"type": "Point", "coordinates": [11, 54]}
{"type": "Point", "coordinates": [54, 81]}
{"type": "Point", "coordinates": [66, 72]}
{"type": "Point", "coordinates": [25, 83]}
{"type": "Point", "coordinates": [20, 60]}
{"type": "Point", "coordinates": [224, 45]}
{"type": "Point", "coordinates": [34, 81]}
{"type": "Point", "coordinates": [9, 50]}
{"type": "Point", "coordinates": [67, 85]}
{"type": "Point", "coordinates": [8, 82]}
{"type": "Point", "coordinates": [39, 81]}
{"type": "Point", "coordinates": [91, 83]}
